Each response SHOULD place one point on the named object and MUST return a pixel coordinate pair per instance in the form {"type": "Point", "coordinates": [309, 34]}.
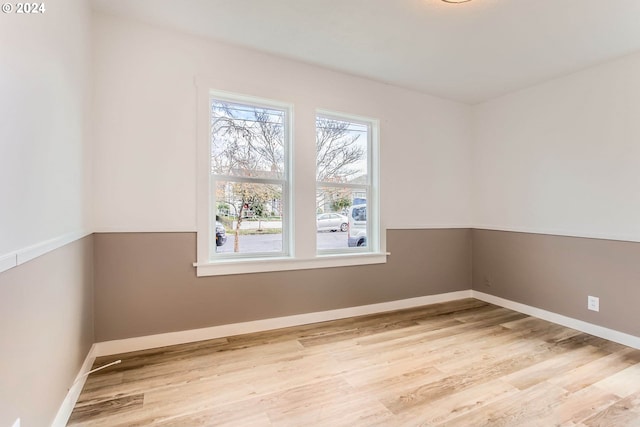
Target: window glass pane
{"type": "Point", "coordinates": [251, 215]}
{"type": "Point", "coordinates": [341, 220]}
{"type": "Point", "coordinates": [357, 236]}
{"type": "Point", "coordinates": [246, 140]}
{"type": "Point", "coordinates": [341, 148]}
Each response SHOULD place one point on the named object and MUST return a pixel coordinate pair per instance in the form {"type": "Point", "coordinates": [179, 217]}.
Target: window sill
{"type": "Point", "coordinates": [226, 267]}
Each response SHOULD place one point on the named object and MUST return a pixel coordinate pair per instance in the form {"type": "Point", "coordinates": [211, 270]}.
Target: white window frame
{"type": "Point", "coordinates": [371, 188]}
{"type": "Point", "coordinates": [302, 252]}
{"type": "Point", "coordinates": [284, 182]}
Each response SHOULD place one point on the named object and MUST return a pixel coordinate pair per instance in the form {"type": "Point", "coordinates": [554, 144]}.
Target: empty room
{"type": "Point", "coordinates": [329, 213]}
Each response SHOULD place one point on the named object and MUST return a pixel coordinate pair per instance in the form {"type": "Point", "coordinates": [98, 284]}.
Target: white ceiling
{"type": "Point", "coordinates": [468, 52]}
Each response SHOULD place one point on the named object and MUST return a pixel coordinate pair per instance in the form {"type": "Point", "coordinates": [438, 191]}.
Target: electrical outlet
{"type": "Point", "coordinates": [487, 282]}
{"type": "Point", "coordinates": [593, 303]}
{"type": "Point", "coordinates": [16, 423]}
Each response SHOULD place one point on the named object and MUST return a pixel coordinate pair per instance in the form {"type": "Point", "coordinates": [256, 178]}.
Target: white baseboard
{"type": "Point", "coordinates": [589, 328]}
{"type": "Point", "coordinates": [62, 417]}
{"type": "Point", "coordinates": [107, 348]}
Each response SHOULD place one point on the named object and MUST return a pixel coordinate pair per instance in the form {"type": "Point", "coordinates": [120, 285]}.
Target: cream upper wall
{"type": "Point", "coordinates": [145, 127]}
{"type": "Point", "coordinates": [555, 158]}
{"type": "Point", "coordinates": [44, 89]}
{"type": "Point", "coordinates": [562, 157]}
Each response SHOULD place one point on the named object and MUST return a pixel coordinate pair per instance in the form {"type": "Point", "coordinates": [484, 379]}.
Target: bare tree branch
{"type": "Point", "coordinates": [337, 151]}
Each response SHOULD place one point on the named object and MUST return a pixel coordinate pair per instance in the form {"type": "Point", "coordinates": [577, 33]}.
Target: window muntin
{"type": "Point", "coordinates": [249, 178]}
{"type": "Point", "coordinates": [344, 181]}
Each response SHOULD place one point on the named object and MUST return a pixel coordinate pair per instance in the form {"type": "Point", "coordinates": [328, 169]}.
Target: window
{"type": "Point", "coordinates": [256, 212]}
{"type": "Point", "coordinates": [344, 177]}
{"type": "Point", "coordinates": [249, 149]}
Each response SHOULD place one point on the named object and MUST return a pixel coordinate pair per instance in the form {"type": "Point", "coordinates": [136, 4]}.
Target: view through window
{"type": "Point", "coordinates": [343, 183]}
{"type": "Point", "coordinates": [249, 149]}
{"type": "Point", "coordinates": [251, 203]}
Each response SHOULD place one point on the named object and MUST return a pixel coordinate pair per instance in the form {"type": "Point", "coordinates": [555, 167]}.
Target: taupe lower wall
{"type": "Point", "coordinates": [46, 331]}
{"type": "Point", "coordinates": [145, 283]}
{"type": "Point", "coordinates": [557, 274]}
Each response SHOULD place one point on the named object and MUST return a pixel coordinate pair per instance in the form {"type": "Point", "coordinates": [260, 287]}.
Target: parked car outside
{"type": "Point", "coordinates": [331, 222]}
{"type": "Point", "coordinates": [221, 234]}
{"type": "Point", "coordinates": [357, 218]}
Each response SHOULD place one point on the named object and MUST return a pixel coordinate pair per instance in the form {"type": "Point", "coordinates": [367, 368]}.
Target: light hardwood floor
{"type": "Point", "coordinates": [463, 363]}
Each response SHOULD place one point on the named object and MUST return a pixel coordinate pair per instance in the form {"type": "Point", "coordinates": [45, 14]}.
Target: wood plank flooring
{"type": "Point", "coordinates": [463, 363]}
